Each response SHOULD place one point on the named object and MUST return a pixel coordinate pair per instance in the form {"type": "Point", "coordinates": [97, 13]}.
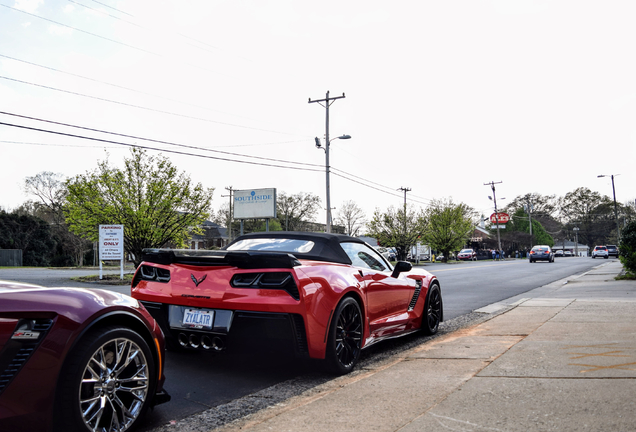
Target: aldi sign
{"type": "Point", "coordinates": [501, 218]}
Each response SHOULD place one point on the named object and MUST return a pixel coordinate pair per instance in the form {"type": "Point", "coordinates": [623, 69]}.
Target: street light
{"type": "Point", "coordinates": [576, 240]}
{"type": "Point", "coordinates": [493, 198]}
{"type": "Point", "coordinates": [618, 232]}
{"type": "Point", "coordinates": [326, 149]}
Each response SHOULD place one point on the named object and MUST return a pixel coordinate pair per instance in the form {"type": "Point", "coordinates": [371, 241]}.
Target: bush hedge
{"type": "Point", "coordinates": [627, 247]}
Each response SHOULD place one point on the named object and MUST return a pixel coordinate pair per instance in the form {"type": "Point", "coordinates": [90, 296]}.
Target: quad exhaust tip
{"type": "Point", "coordinates": [205, 342]}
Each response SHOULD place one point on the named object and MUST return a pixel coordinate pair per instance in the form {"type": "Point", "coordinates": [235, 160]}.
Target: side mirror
{"type": "Point", "coordinates": [401, 266]}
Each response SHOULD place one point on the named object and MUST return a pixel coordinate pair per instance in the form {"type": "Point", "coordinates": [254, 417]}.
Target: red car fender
{"type": "Point", "coordinates": [322, 293]}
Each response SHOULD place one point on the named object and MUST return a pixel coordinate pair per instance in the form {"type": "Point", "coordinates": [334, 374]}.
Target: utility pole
{"type": "Point", "coordinates": [618, 228]}
{"type": "Point", "coordinates": [229, 218]}
{"type": "Point", "coordinates": [530, 208]}
{"type": "Point", "coordinates": [326, 102]}
{"type": "Point", "coordinates": [494, 198]}
{"type": "Point", "coordinates": [405, 190]}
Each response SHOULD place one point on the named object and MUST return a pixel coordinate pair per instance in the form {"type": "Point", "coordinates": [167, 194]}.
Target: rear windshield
{"type": "Point", "coordinates": [273, 244]}
{"type": "Point", "coordinates": [537, 249]}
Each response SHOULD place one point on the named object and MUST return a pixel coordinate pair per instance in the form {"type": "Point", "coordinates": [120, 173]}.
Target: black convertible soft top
{"type": "Point", "coordinates": [326, 247]}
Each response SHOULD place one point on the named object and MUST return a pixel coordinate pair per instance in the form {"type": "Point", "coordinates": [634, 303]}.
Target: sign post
{"type": "Point", "coordinates": [111, 246]}
{"type": "Point", "coordinates": [254, 204]}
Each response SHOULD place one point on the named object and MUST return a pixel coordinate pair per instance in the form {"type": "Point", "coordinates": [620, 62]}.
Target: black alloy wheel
{"type": "Point", "coordinates": [345, 337]}
{"type": "Point", "coordinates": [433, 316]}
{"type": "Point", "coordinates": [107, 383]}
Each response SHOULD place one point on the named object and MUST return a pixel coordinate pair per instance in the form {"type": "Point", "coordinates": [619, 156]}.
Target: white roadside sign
{"type": "Point", "coordinates": [111, 245]}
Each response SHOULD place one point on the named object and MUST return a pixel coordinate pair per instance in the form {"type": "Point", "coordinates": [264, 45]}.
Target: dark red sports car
{"type": "Point", "coordinates": [330, 294]}
{"type": "Point", "coordinates": [76, 359]}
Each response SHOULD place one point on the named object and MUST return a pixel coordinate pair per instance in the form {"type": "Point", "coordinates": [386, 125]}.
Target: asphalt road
{"type": "Point", "coordinates": [470, 285]}
{"type": "Point", "coordinates": [198, 381]}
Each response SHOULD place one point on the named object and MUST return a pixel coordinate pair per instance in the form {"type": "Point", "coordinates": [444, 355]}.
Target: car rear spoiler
{"type": "Point", "coordinates": [240, 259]}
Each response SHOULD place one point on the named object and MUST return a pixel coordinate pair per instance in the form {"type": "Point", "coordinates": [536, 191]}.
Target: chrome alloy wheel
{"type": "Point", "coordinates": [114, 386]}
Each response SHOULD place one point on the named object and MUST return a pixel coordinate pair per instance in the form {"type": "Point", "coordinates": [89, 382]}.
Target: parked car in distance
{"type": "Point", "coordinates": [392, 254]}
{"type": "Point", "coordinates": [541, 253]}
{"type": "Point", "coordinates": [384, 252]}
{"type": "Point", "coordinates": [600, 252]}
{"type": "Point", "coordinates": [568, 253]}
{"type": "Point", "coordinates": [558, 253]}
{"type": "Point", "coordinates": [467, 255]}
{"type": "Point", "coordinates": [76, 359]}
{"type": "Point", "coordinates": [327, 295]}
{"type": "Point", "coordinates": [612, 250]}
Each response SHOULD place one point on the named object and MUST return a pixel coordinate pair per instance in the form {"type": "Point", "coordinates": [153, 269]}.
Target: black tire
{"type": "Point", "coordinates": [112, 366]}
{"type": "Point", "coordinates": [433, 310]}
{"type": "Point", "coordinates": [345, 337]}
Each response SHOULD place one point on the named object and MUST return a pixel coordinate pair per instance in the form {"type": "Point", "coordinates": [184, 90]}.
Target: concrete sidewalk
{"type": "Point", "coordinates": [559, 358]}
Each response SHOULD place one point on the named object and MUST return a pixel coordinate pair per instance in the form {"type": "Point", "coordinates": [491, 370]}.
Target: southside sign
{"type": "Point", "coordinates": [503, 218]}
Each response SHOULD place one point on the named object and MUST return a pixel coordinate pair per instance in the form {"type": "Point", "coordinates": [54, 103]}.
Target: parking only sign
{"type": "Point", "coordinates": [111, 242]}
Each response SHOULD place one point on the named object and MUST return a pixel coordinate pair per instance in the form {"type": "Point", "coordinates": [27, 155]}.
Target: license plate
{"type": "Point", "coordinates": [198, 318]}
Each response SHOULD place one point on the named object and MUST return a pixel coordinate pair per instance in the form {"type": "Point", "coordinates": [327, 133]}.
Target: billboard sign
{"type": "Point", "coordinates": [254, 204]}
{"type": "Point", "coordinates": [503, 218]}
{"type": "Point", "coordinates": [111, 242]}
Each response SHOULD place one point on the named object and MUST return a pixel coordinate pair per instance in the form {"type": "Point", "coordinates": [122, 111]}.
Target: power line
{"type": "Point", "coordinates": [107, 39]}
{"type": "Point", "coordinates": [142, 27]}
{"type": "Point", "coordinates": [45, 144]}
{"type": "Point", "coordinates": [187, 154]}
{"type": "Point", "coordinates": [144, 108]}
{"type": "Point", "coordinates": [153, 148]}
{"type": "Point", "coordinates": [374, 188]}
{"type": "Point", "coordinates": [113, 8]}
{"type": "Point", "coordinates": [154, 140]}
{"type": "Point", "coordinates": [115, 85]}
{"type": "Point", "coordinates": [372, 182]}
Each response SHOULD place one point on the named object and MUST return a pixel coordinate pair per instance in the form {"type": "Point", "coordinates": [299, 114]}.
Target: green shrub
{"type": "Point", "coordinates": [627, 247]}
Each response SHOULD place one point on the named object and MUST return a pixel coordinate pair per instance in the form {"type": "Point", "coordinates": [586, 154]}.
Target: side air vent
{"type": "Point", "coordinates": [416, 294]}
{"type": "Point", "coordinates": [300, 334]}
{"type": "Point", "coordinates": [26, 338]}
{"type": "Point", "coordinates": [268, 280]}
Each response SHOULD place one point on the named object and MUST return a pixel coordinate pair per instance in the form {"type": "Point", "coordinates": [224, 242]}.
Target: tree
{"type": "Point", "coordinates": [627, 248]}
{"type": "Point", "coordinates": [51, 191]}
{"type": "Point", "coordinates": [351, 217]}
{"type": "Point", "coordinates": [518, 231]}
{"type": "Point", "coordinates": [591, 212]}
{"type": "Point", "coordinates": [30, 234]}
{"type": "Point", "coordinates": [294, 211]}
{"type": "Point", "coordinates": [540, 205]}
{"type": "Point", "coordinates": [541, 208]}
{"type": "Point", "coordinates": [397, 228]}
{"type": "Point", "coordinates": [448, 225]}
{"type": "Point", "coordinates": [157, 205]}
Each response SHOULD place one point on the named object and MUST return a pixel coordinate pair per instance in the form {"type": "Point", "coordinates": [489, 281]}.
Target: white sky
{"type": "Point", "coordinates": [441, 96]}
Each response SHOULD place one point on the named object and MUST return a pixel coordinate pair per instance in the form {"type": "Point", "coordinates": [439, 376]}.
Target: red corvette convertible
{"type": "Point", "coordinates": [330, 295]}
{"type": "Point", "coordinates": [76, 360]}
